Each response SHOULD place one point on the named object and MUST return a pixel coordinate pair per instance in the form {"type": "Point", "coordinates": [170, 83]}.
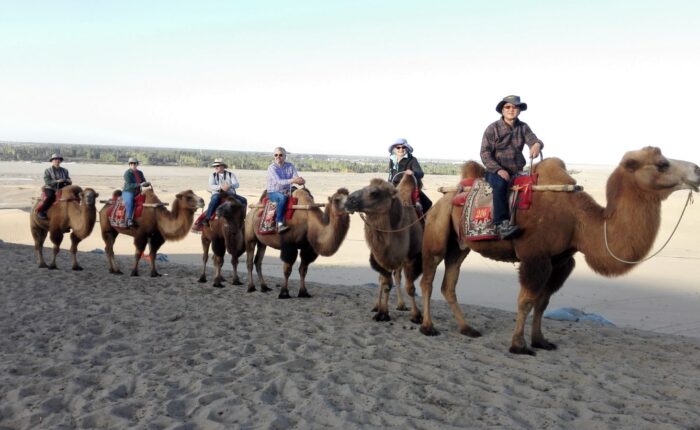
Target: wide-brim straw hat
{"type": "Point", "coordinates": [56, 157]}
{"type": "Point", "coordinates": [515, 100]}
{"type": "Point", "coordinates": [219, 162]}
{"type": "Point", "coordinates": [133, 160]}
{"type": "Point", "coordinates": [403, 142]}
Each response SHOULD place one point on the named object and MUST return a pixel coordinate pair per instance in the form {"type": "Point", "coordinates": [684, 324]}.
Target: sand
{"type": "Point", "coordinates": [93, 350]}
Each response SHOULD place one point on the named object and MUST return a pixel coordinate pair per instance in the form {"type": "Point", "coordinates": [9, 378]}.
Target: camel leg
{"type": "Point", "coordinates": [259, 256]}
{"type": "Point", "coordinates": [39, 239]}
{"type": "Point", "coordinates": [249, 259]}
{"type": "Point", "coordinates": [534, 274]}
{"type": "Point", "coordinates": [560, 273]}
{"type": "Point", "coordinates": [56, 237]}
{"type": "Point", "coordinates": [234, 265]}
{"type": "Point", "coordinates": [288, 255]}
{"type": "Point", "coordinates": [526, 300]}
{"type": "Point", "coordinates": [74, 241]}
{"type": "Point", "coordinates": [453, 261]}
{"type": "Point", "coordinates": [139, 246]}
{"type": "Point", "coordinates": [154, 245]}
{"type": "Point", "coordinates": [410, 268]}
{"type": "Point", "coordinates": [308, 256]}
{"type": "Point", "coordinates": [109, 237]}
{"type": "Point", "coordinates": [400, 304]}
{"type": "Point", "coordinates": [205, 258]}
{"type": "Point", "coordinates": [384, 289]}
{"type": "Point", "coordinates": [218, 264]}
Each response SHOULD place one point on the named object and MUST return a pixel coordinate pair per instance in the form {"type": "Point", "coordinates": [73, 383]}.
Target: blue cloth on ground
{"type": "Point", "coordinates": [573, 314]}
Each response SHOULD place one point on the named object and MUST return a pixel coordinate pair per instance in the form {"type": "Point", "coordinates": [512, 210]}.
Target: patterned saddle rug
{"type": "Point", "coordinates": [116, 212]}
{"type": "Point", "coordinates": [267, 223]}
{"type": "Point", "coordinates": [476, 222]}
{"type": "Point", "coordinates": [42, 200]}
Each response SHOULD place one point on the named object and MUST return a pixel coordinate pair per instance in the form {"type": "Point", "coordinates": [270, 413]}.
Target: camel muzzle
{"type": "Point", "coordinates": [353, 203]}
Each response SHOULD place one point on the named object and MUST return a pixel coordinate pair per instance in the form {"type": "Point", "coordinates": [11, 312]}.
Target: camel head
{"type": "Point", "coordinates": [190, 200]}
{"type": "Point", "coordinates": [230, 209]}
{"type": "Point", "coordinates": [336, 202]}
{"type": "Point", "coordinates": [88, 197]}
{"type": "Point", "coordinates": [377, 197]}
{"type": "Point", "coordinates": [650, 172]}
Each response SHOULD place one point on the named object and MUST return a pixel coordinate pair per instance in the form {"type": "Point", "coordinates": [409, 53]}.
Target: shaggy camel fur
{"type": "Point", "coordinates": [556, 227]}
{"type": "Point", "coordinates": [153, 228]}
{"type": "Point", "coordinates": [74, 212]}
{"type": "Point", "coordinates": [394, 236]}
{"type": "Point", "coordinates": [311, 233]}
{"type": "Point", "coordinates": [224, 233]}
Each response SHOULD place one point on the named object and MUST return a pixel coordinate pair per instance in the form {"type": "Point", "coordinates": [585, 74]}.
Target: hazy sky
{"type": "Point", "coordinates": [601, 77]}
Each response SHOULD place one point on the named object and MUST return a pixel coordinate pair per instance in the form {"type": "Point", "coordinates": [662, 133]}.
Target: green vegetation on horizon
{"type": "Point", "coordinates": [40, 152]}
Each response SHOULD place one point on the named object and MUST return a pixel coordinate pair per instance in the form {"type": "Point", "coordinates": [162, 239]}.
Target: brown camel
{"type": "Point", "coordinates": [75, 212]}
{"type": "Point", "coordinates": [556, 227]}
{"type": "Point", "coordinates": [154, 227]}
{"type": "Point", "coordinates": [224, 233]}
{"type": "Point", "coordinates": [394, 235]}
{"type": "Point", "coordinates": [311, 233]}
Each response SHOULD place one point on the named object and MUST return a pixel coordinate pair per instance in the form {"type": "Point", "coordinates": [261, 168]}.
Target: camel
{"type": "Point", "coordinates": [556, 226]}
{"type": "Point", "coordinates": [75, 212]}
{"type": "Point", "coordinates": [394, 236]}
{"type": "Point", "coordinates": [224, 233]}
{"type": "Point", "coordinates": [311, 233]}
{"type": "Point", "coordinates": [156, 225]}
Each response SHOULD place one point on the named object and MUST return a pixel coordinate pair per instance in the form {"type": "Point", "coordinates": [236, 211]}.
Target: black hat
{"type": "Point", "coordinates": [512, 100]}
{"type": "Point", "coordinates": [56, 157]}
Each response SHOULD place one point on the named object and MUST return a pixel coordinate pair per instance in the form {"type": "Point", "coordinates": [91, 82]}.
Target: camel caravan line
{"type": "Point", "coordinates": [557, 219]}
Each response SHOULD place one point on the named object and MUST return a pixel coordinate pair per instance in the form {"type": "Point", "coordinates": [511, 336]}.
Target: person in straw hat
{"type": "Point", "coordinates": [134, 180]}
{"type": "Point", "coordinates": [502, 154]}
{"type": "Point", "coordinates": [55, 178]}
{"type": "Point", "coordinates": [222, 181]}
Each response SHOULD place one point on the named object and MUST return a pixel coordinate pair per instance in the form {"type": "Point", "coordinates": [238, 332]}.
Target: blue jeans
{"type": "Point", "coordinates": [500, 197]}
{"type": "Point", "coordinates": [128, 198]}
{"type": "Point", "coordinates": [216, 197]}
{"type": "Point", "coordinates": [281, 200]}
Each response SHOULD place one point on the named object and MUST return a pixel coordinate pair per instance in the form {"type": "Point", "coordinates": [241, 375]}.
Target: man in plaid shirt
{"type": "Point", "coordinates": [501, 153]}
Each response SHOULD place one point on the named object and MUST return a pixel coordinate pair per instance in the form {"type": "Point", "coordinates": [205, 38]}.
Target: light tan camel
{"type": "Point", "coordinates": [311, 233]}
{"type": "Point", "coordinates": [75, 212]}
{"type": "Point", "coordinates": [394, 235]}
{"type": "Point", "coordinates": [224, 233]}
{"type": "Point", "coordinates": [556, 227]}
{"type": "Point", "coordinates": [154, 227]}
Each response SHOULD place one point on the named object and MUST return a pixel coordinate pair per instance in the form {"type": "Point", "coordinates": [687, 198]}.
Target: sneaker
{"type": "Point", "coordinates": [205, 222]}
{"type": "Point", "coordinates": [41, 215]}
{"type": "Point", "coordinates": [507, 231]}
{"type": "Point", "coordinates": [129, 223]}
{"type": "Point", "coordinates": [282, 227]}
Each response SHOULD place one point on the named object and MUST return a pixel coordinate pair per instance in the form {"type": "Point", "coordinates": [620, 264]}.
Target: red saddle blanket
{"type": "Point", "coordinates": [477, 216]}
{"type": "Point", "coordinates": [267, 215]}
{"type": "Point", "coordinates": [42, 200]}
{"type": "Point", "coordinates": [116, 212]}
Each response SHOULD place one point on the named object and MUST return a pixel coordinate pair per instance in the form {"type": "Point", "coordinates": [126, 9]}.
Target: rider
{"type": "Point", "coordinates": [501, 153]}
{"type": "Point", "coordinates": [133, 182]}
{"type": "Point", "coordinates": [55, 178]}
{"type": "Point", "coordinates": [281, 175]}
{"type": "Point", "coordinates": [402, 162]}
{"type": "Point", "coordinates": [222, 181]}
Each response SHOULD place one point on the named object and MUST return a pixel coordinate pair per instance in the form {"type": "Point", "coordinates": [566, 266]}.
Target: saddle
{"type": "Point", "coordinates": [267, 224]}
{"type": "Point", "coordinates": [116, 212]}
{"type": "Point", "coordinates": [476, 222]}
{"type": "Point", "coordinates": [43, 197]}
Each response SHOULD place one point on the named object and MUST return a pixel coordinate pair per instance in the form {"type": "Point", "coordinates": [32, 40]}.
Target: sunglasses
{"type": "Point", "coordinates": [511, 107]}
{"type": "Point", "coordinates": [400, 147]}
{"type": "Point", "coordinates": [279, 155]}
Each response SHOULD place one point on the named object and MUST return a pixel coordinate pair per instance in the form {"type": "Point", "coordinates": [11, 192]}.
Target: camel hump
{"type": "Point", "coordinates": [553, 171]}
{"type": "Point", "coordinates": [71, 191]}
{"type": "Point", "coordinates": [303, 196]}
{"type": "Point", "coordinates": [150, 196]}
{"type": "Point", "coordinates": [472, 169]}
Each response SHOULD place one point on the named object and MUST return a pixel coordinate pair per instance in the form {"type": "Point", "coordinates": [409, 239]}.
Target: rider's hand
{"type": "Point", "coordinates": [225, 187]}
{"type": "Point", "coordinates": [408, 172]}
{"type": "Point", "coordinates": [504, 174]}
{"type": "Point", "coordinates": [145, 184]}
{"type": "Point", "coordinates": [535, 150]}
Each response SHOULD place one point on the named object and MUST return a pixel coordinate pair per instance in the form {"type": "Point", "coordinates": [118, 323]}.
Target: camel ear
{"type": "Point", "coordinates": [630, 164]}
{"type": "Point", "coordinates": [178, 195]}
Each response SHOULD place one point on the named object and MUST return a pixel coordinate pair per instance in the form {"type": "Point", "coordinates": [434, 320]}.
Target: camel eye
{"type": "Point", "coordinates": [375, 194]}
{"type": "Point", "coordinates": [663, 166]}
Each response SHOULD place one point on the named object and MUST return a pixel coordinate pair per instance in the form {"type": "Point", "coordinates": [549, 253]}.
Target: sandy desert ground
{"type": "Point", "coordinates": [92, 350]}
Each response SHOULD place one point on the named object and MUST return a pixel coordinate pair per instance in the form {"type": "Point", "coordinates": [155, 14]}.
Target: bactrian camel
{"type": "Point", "coordinates": [75, 212]}
{"type": "Point", "coordinates": [394, 235]}
{"type": "Point", "coordinates": [556, 227]}
{"type": "Point", "coordinates": [155, 225]}
{"type": "Point", "coordinates": [224, 233]}
{"type": "Point", "coordinates": [311, 233]}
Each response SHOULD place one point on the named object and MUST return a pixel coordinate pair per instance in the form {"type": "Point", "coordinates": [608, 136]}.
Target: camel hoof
{"type": "Point", "coordinates": [429, 331]}
{"type": "Point", "coordinates": [219, 285]}
{"type": "Point", "coordinates": [543, 344]}
{"type": "Point", "coordinates": [236, 282]}
{"type": "Point", "coordinates": [401, 308]}
{"type": "Point", "coordinates": [522, 350]}
{"type": "Point", "coordinates": [375, 309]}
{"type": "Point", "coordinates": [155, 275]}
{"type": "Point", "coordinates": [116, 272]}
{"type": "Point", "coordinates": [202, 279]}
{"type": "Point", "coordinates": [304, 294]}
{"type": "Point", "coordinates": [470, 332]}
{"type": "Point", "coordinates": [134, 273]}
{"type": "Point", "coordinates": [265, 289]}
{"type": "Point", "coordinates": [78, 268]}
{"type": "Point", "coordinates": [382, 317]}
{"type": "Point", "coordinates": [284, 294]}
{"type": "Point", "coordinates": [417, 319]}
{"type": "Point", "coordinates": [42, 266]}
{"type": "Point", "coordinates": [52, 267]}
{"type": "Point", "coordinates": [251, 289]}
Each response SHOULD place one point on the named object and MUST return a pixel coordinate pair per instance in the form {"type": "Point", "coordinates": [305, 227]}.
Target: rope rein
{"type": "Point", "coordinates": [392, 231]}
{"type": "Point", "coordinates": [607, 247]}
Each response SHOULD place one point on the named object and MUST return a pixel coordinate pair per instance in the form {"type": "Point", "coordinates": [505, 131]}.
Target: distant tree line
{"type": "Point", "coordinates": [39, 152]}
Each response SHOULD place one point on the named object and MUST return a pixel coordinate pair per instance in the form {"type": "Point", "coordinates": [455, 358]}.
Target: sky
{"type": "Point", "coordinates": [600, 77]}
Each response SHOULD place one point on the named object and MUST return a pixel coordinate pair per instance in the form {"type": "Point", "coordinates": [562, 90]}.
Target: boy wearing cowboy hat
{"type": "Point", "coordinates": [502, 154]}
{"type": "Point", "coordinates": [55, 178]}
{"type": "Point", "coordinates": [221, 181]}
